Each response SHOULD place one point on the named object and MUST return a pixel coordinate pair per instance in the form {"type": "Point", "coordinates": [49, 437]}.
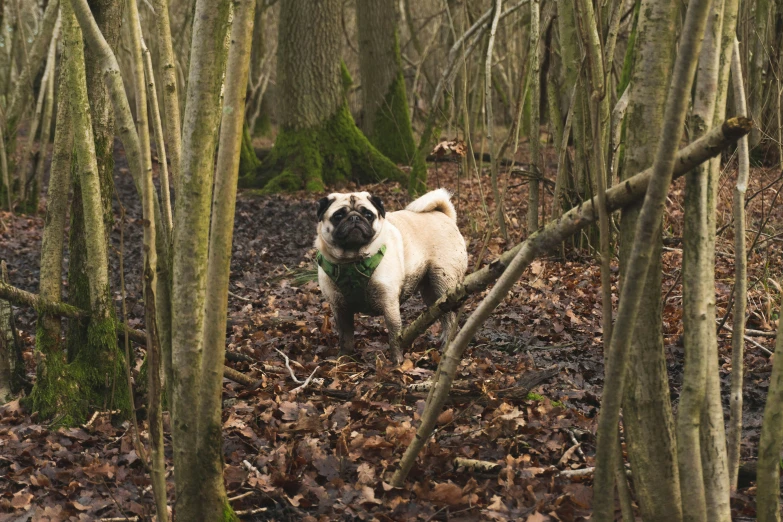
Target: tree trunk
{"type": "Point", "coordinates": [386, 122]}
{"type": "Point", "coordinates": [535, 135]}
{"type": "Point", "coordinates": [318, 143]}
{"type": "Point", "coordinates": [638, 264]}
{"type": "Point", "coordinates": [698, 293]}
{"type": "Point", "coordinates": [11, 362]}
{"type": "Point", "coordinates": [647, 411]}
{"type": "Point", "coordinates": [108, 15]}
{"type": "Point", "coordinates": [771, 441]}
{"type": "Point", "coordinates": [95, 371]}
{"type": "Point", "coordinates": [220, 240]}
{"type": "Point", "coordinates": [199, 475]}
{"type": "Point", "coordinates": [168, 75]}
{"type": "Point", "coordinates": [36, 183]}
{"type": "Point", "coordinates": [47, 397]}
{"type": "Point", "coordinates": [740, 277]}
{"type": "Point", "coordinates": [717, 481]}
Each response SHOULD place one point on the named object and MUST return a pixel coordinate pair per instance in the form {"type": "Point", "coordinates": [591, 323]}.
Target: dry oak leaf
{"type": "Point", "coordinates": [21, 499]}
{"type": "Point", "coordinates": [447, 493]}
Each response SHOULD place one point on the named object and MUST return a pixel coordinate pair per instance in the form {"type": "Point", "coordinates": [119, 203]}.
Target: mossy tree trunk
{"type": "Point", "coordinates": [386, 120]}
{"type": "Point", "coordinates": [647, 411]}
{"type": "Point", "coordinates": [200, 491]}
{"type": "Point", "coordinates": [47, 398]}
{"type": "Point", "coordinates": [318, 143]}
{"type": "Point", "coordinates": [108, 14]}
{"type": "Point", "coordinates": [93, 376]}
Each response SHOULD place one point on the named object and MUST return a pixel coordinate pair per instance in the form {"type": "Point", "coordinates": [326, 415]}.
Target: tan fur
{"type": "Point", "coordinates": [425, 252]}
{"type": "Point", "coordinates": [435, 201]}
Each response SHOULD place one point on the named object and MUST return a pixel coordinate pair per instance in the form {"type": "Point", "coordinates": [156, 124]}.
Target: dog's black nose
{"type": "Point", "coordinates": [354, 218]}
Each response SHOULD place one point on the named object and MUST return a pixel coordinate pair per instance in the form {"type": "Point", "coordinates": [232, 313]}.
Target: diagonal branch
{"type": "Point", "coordinates": [617, 197]}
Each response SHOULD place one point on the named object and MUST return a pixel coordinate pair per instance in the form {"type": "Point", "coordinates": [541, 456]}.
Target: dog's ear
{"type": "Point", "coordinates": [323, 206]}
{"type": "Point", "coordinates": [378, 204]}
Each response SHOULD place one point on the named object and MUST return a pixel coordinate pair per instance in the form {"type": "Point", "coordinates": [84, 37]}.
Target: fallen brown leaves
{"type": "Point", "coordinates": [327, 452]}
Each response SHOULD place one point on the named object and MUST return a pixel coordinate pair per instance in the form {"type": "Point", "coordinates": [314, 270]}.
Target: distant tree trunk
{"type": "Point", "coordinates": [318, 143]}
{"type": "Point", "coordinates": [572, 60]}
{"type": "Point", "coordinates": [108, 14]}
{"type": "Point", "coordinates": [386, 119]}
{"type": "Point", "coordinates": [535, 134]}
{"type": "Point", "coordinates": [36, 184]}
{"type": "Point", "coordinates": [16, 104]}
{"type": "Point", "coordinates": [11, 362]}
{"type": "Point", "coordinates": [647, 411]}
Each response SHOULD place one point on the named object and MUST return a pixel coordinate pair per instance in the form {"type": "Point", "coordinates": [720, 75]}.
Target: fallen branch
{"type": "Point", "coordinates": [555, 232]}
{"type": "Point", "coordinates": [240, 378]}
{"type": "Point", "coordinates": [17, 296]}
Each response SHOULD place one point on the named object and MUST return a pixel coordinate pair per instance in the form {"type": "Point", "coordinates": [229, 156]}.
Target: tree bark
{"type": "Point", "coordinates": [318, 143]}
{"type": "Point", "coordinates": [23, 84]}
{"type": "Point", "coordinates": [386, 121]}
{"type": "Point", "coordinates": [771, 441]}
{"type": "Point", "coordinates": [740, 279]}
{"type": "Point", "coordinates": [168, 75]}
{"type": "Point", "coordinates": [47, 338]}
{"type": "Point", "coordinates": [108, 15]}
{"type": "Point", "coordinates": [28, 156]}
{"type": "Point", "coordinates": [199, 476]}
{"type": "Point", "coordinates": [150, 256]}
{"type": "Point", "coordinates": [535, 103]}
{"type": "Point", "coordinates": [11, 362]}
{"type": "Point", "coordinates": [647, 411]}
{"type": "Point", "coordinates": [638, 265]}
{"type": "Point", "coordinates": [46, 128]}
{"type": "Point", "coordinates": [97, 368]}
{"type": "Point", "coordinates": [220, 241]}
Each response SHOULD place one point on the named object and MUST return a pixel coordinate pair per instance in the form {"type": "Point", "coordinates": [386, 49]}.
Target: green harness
{"type": "Point", "coordinates": [352, 278]}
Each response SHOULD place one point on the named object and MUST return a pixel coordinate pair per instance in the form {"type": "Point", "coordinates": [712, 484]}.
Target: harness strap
{"type": "Point", "coordinates": [351, 278]}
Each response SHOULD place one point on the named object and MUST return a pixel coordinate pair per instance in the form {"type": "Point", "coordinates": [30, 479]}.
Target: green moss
{"type": "Point", "coordinates": [329, 155]}
{"type": "Point", "coordinates": [532, 396]}
{"type": "Point", "coordinates": [345, 77]}
{"type": "Point", "coordinates": [228, 513]}
{"type": "Point", "coordinates": [55, 394]}
{"type": "Point", "coordinates": [94, 380]}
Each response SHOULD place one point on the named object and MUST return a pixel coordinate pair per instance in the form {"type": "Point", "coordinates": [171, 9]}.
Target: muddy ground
{"type": "Point", "coordinates": [328, 452]}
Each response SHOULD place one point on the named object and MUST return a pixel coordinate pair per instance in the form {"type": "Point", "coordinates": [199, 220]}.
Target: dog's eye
{"type": "Point", "coordinates": [339, 214]}
{"type": "Point", "coordinates": [366, 213]}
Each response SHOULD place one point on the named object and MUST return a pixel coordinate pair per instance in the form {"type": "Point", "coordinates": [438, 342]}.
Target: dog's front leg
{"type": "Point", "coordinates": [344, 320]}
{"type": "Point", "coordinates": [394, 324]}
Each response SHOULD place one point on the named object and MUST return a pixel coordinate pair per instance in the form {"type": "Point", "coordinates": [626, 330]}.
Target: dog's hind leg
{"type": "Point", "coordinates": [432, 289]}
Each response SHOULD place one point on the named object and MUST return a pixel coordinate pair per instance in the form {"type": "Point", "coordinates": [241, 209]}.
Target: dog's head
{"type": "Point", "coordinates": [350, 221]}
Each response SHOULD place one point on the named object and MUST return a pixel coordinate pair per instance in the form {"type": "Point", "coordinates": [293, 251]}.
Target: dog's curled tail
{"type": "Point", "coordinates": [436, 200]}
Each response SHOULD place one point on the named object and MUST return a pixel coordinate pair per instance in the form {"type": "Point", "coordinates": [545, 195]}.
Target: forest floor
{"type": "Point", "coordinates": [327, 452]}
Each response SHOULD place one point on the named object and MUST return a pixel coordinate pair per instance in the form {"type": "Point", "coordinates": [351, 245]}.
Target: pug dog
{"type": "Point", "coordinates": [370, 261]}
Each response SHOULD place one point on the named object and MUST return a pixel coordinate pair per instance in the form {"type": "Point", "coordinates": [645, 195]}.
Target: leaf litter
{"type": "Point", "coordinates": [328, 451]}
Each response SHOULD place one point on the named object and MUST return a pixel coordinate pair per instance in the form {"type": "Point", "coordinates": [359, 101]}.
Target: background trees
{"type": "Point", "coordinates": [579, 107]}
